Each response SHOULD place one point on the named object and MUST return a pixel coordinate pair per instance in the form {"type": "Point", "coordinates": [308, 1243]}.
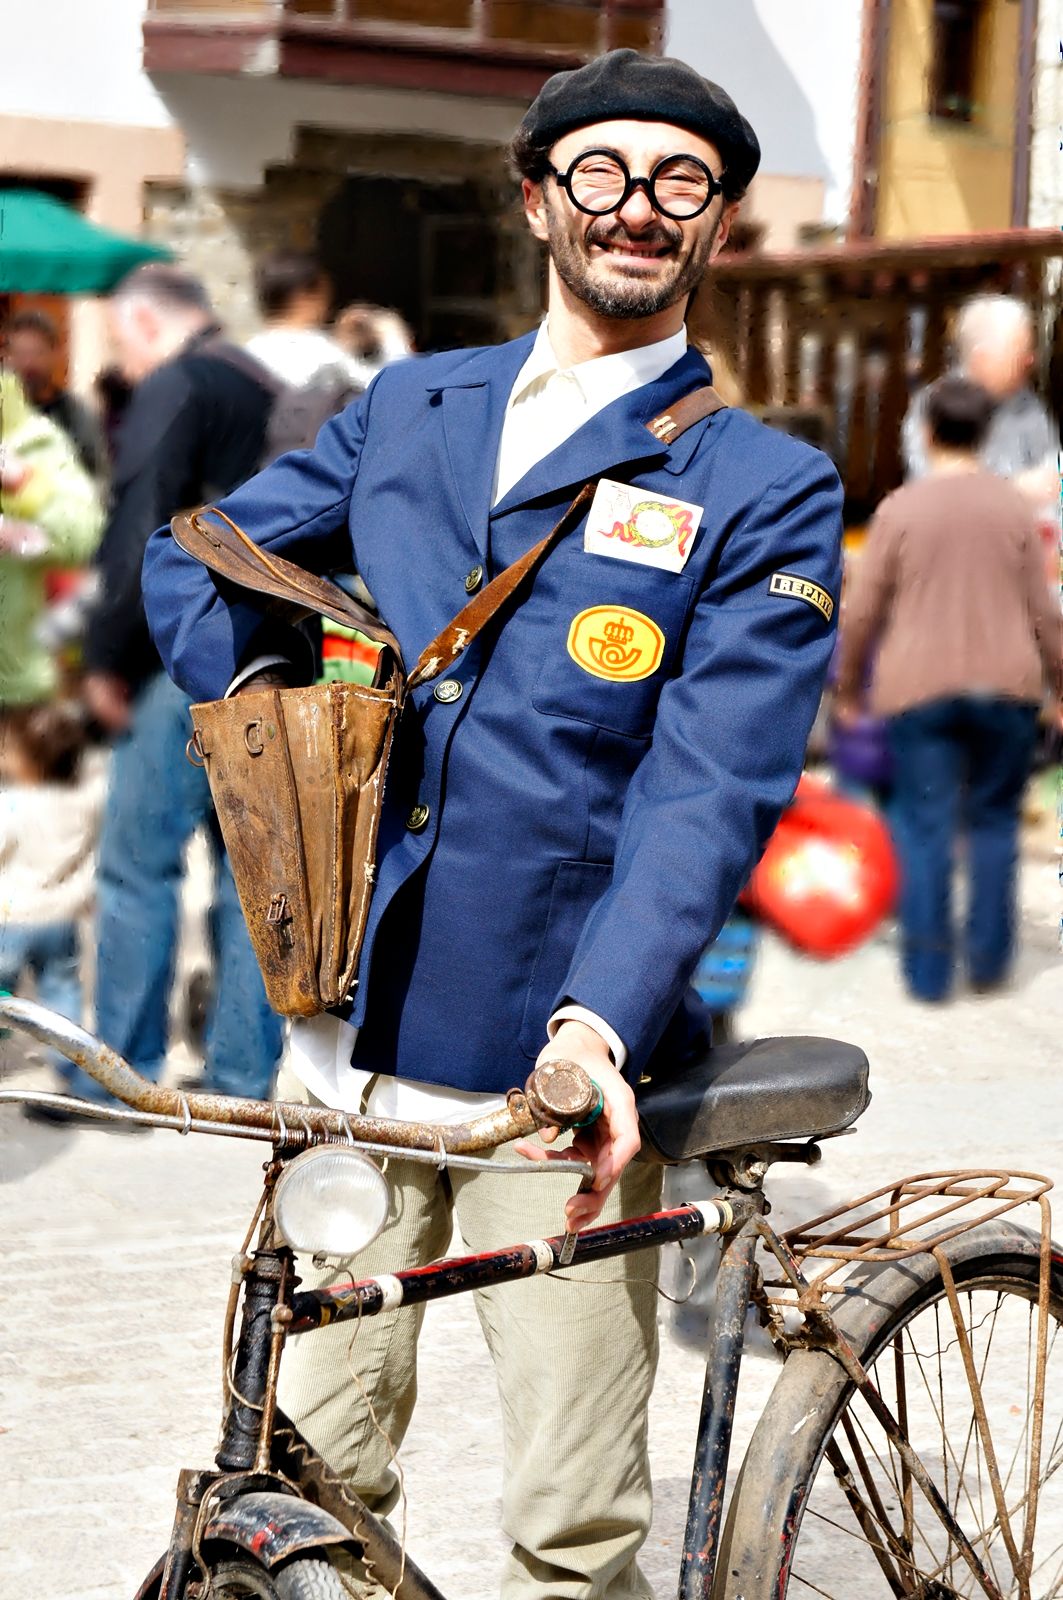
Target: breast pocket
{"type": "Point", "coordinates": [615, 630]}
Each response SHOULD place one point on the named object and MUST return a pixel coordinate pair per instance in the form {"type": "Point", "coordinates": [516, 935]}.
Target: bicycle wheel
{"type": "Point", "coordinates": [307, 1578]}
{"type": "Point", "coordinates": [825, 1505]}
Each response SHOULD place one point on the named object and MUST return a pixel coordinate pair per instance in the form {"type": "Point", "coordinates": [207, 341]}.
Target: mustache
{"type": "Point", "coordinates": [619, 233]}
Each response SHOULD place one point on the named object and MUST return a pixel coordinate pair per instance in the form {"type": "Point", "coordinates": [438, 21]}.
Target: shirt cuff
{"type": "Point", "coordinates": [259, 664]}
{"type": "Point", "coordinates": [574, 1013]}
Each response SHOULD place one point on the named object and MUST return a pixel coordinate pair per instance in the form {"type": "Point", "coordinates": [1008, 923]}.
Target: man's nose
{"type": "Point", "coordinates": [637, 211]}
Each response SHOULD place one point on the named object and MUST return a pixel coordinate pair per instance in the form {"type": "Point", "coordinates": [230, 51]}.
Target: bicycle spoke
{"type": "Point", "coordinates": [900, 1392]}
{"type": "Point", "coordinates": [931, 1483]}
{"type": "Point", "coordinates": [977, 1513]}
{"type": "Point", "coordinates": [978, 1402]}
{"type": "Point", "coordinates": [869, 1516]}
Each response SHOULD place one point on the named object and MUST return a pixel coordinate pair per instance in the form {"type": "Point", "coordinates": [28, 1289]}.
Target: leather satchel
{"type": "Point", "coordinates": [297, 774]}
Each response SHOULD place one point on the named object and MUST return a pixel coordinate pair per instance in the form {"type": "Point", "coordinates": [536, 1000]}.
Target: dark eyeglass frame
{"type": "Point", "coordinates": [648, 185]}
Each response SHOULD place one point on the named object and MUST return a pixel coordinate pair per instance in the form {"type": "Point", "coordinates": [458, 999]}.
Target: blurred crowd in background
{"type": "Point", "coordinates": [945, 699]}
{"type": "Point", "coordinates": [917, 338]}
{"type": "Point", "coordinates": [98, 802]}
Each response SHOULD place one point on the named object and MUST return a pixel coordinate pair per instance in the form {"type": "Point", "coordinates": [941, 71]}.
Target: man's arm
{"type": "Point", "coordinates": [298, 509]}
{"type": "Point", "coordinates": [867, 596]}
{"type": "Point", "coordinates": [727, 751]}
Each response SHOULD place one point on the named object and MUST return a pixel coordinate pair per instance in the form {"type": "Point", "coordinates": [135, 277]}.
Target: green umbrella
{"type": "Point", "coordinates": [47, 247]}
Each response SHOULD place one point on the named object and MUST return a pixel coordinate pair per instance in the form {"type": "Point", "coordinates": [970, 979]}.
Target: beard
{"type": "Point", "coordinates": [637, 295]}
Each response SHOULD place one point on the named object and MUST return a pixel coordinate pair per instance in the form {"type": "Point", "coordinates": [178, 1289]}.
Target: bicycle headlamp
{"type": "Point", "coordinates": [330, 1201]}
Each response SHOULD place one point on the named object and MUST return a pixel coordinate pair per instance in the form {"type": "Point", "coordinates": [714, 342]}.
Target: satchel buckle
{"type": "Point", "coordinates": [279, 916]}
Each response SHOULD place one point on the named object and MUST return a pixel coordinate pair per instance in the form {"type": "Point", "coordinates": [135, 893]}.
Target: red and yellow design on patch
{"type": "Point", "coordinates": [653, 524]}
{"type": "Point", "coordinates": [616, 643]}
{"type": "Point", "coordinates": [634, 524]}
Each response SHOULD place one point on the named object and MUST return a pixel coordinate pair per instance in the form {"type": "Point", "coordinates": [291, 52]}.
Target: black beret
{"type": "Point", "coordinates": [624, 85]}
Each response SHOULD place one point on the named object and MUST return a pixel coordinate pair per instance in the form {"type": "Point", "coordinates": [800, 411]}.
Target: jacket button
{"type": "Point", "coordinates": [417, 818]}
{"type": "Point", "coordinates": [474, 580]}
{"type": "Point", "coordinates": [448, 691]}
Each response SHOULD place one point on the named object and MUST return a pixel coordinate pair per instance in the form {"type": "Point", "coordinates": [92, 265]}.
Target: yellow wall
{"type": "Point", "coordinates": [939, 177]}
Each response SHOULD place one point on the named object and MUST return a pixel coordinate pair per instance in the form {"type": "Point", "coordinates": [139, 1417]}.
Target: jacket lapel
{"type": "Point", "coordinates": [615, 438]}
{"type": "Point", "coordinates": [474, 407]}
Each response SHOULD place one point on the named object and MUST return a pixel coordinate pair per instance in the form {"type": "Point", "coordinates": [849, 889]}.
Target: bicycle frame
{"type": "Point", "coordinates": [274, 1496]}
{"type": "Point", "coordinates": [261, 1448]}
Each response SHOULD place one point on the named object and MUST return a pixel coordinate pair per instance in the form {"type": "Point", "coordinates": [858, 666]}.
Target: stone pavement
{"type": "Point", "coordinates": [116, 1253]}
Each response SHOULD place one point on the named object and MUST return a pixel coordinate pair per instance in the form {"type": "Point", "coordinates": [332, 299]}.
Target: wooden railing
{"type": "Point", "coordinates": [832, 343]}
{"type": "Point", "coordinates": [581, 28]}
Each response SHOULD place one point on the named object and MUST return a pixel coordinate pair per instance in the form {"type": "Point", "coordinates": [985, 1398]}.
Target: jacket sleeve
{"type": "Point", "coordinates": [726, 754]}
{"type": "Point", "coordinates": [296, 508]}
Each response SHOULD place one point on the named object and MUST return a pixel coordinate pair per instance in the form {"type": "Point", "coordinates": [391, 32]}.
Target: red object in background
{"type": "Point", "coordinates": [829, 874]}
{"type": "Point", "coordinates": [61, 583]}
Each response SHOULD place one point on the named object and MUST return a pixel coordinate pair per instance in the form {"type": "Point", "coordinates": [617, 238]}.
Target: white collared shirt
{"type": "Point", "coordinates": [547, 404]}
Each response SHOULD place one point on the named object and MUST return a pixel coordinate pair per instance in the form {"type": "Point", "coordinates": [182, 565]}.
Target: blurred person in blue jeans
{"type": "Point", "coordinates": [194, 429]}
{"type": "Point", "coordinates": [951, 593]}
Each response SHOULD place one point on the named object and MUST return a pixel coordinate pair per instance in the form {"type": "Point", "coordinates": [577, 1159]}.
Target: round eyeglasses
{"type": "Point", "coordinates": [598, 182]}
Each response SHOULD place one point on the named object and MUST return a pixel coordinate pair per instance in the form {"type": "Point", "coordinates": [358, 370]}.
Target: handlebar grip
{"type": "Point", "coordinates": [561, 1094]}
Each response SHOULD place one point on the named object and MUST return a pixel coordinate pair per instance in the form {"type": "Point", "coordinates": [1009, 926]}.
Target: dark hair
{"type": "Point", "coordinates": [38, 322]}
{"type": "Point", "coordinates": [53, 737]}
{"type": "Point", "coordinates": [169, 288]}
{"type": "Point", "coordinates": [958, 413]}
{"type": "Point", "coordinates": [529, 157]}
{"type": "Point", "coordinates": [279, 278]}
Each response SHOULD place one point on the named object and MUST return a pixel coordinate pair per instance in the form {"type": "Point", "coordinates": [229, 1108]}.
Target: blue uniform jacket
{"type": "Point", "coordinates": [587, 837]}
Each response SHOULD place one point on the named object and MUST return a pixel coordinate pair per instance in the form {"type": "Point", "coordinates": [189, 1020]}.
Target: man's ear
{"type": "Point", "coordinates": [723, 233]}
{"type": "Point", "coordinates": [535, 208]}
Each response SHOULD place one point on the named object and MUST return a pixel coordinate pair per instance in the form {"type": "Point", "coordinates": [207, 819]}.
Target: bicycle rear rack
{"type": "Point", "coordinates": [908, 1217]}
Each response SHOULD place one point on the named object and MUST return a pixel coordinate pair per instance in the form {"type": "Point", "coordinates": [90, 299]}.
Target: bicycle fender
{"type": "Point", "coordinates": [149, 1589]}
{"type": "Point", "coordinates": [271, 1527]}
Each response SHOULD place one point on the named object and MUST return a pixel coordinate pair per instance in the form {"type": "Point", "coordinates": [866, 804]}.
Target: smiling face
{"type": "Point", "coordinates": [634, 262]}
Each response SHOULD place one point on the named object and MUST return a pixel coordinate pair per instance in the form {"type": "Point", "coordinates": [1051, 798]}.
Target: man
{"type": "Point", "coordinates": [573, 809]}
{"type": "Point", "coordinates": [31, 349]}
{"type": "Point", "coordinates": [952, 591]}
{"type": "Point", "coordinates": [293, 296]}
{"type": "Point", "coordinates": [194, 429]}
{"type": "Point", "coordinates": [994, 347]}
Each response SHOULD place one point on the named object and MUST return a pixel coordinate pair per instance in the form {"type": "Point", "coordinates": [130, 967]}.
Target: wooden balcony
{"type": "Point", "coordinates": [831, 343]}
{"type": "Point", "coordinates": [471, 47]}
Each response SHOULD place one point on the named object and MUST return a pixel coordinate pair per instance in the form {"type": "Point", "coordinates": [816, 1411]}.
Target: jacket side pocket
{"type": "Point", "coordinates": [577, 887]}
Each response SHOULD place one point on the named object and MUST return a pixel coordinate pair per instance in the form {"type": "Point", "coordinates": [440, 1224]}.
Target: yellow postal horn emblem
{"type": "Point", "coordinates": [615, 642]}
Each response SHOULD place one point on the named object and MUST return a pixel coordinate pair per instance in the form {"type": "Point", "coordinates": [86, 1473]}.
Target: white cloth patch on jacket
{"type": "Point", "coordinates": [635, 524]}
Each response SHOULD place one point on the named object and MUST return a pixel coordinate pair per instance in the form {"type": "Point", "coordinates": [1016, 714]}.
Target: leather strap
{"type": "Point", "coordinates": [297, 593]}
{"type": "Point", "coordinates": [457, 635]}
{"type": "Point", "coordinates": [693, 407]}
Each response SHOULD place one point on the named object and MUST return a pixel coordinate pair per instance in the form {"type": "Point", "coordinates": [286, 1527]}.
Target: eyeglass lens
{"type": "Point", "coordinates": [679, 187]}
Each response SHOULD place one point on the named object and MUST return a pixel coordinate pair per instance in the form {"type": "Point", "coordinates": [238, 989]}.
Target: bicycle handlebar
{"type": "Point", "coordinates": [558, 1093]}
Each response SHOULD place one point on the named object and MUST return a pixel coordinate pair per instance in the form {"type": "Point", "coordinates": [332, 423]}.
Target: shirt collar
{"type": "Point", "coordinates": [604, 378]}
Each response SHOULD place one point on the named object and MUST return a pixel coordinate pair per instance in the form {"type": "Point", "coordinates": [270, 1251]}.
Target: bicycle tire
{"type": "Point", "coordinates": [310, 1577]}
{"type": "Point", "coordinates": [815, 1407]}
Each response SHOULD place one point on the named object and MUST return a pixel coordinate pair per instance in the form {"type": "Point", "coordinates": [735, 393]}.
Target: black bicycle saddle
{"type": "Point", "coordinates": [741, 1094]}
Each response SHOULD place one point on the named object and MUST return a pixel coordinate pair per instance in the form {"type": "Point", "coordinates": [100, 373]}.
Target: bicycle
{"type": "Point", "coordinates": [911, 1444]}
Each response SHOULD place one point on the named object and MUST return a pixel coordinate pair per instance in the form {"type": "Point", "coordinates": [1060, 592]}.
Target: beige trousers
{"type": "Point", "coordinates": [574, 1358]}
